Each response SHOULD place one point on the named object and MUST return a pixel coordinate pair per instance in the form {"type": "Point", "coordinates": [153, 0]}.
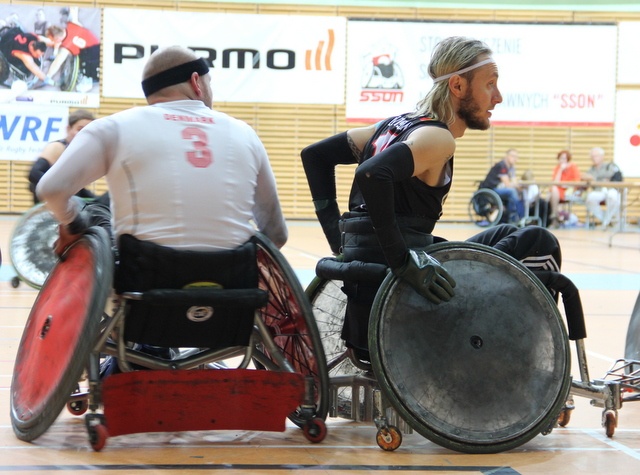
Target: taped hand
{"type": "Point", "coordinates": [70, 233]}
{"type": "Point", "coordinates": [427, 277]}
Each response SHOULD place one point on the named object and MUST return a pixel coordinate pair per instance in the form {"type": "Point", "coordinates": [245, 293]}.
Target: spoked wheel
{"type": "Point", "coordinates": [482, 373]}
{"type": "Point", "coordinates": [60, 333]}
{"type": "Point", "coordinates": [31, 247]}
{"type": "Point", "coordinates": [329, 304]}
{"type": "Point", "coordinates": [485, 208]}
{"type": "Point", "coordinates": [289, 317]}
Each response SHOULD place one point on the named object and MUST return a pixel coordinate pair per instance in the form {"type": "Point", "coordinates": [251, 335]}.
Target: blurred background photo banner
{"type": "Point", "coordinates": [50, 55]}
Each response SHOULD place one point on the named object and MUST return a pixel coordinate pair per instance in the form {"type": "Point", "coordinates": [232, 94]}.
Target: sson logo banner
{"type": "Point", "coordinates": [550, 74]}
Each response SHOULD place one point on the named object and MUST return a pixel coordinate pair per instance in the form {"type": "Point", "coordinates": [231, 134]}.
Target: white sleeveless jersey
{"type": "Point", "coordinates": [179, 174]}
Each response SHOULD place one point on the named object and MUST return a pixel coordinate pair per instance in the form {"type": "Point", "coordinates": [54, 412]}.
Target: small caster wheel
{"type": "Point", "coordinates": [315, 430]}
{"type": "Point", "coordinates": [98, 436]}
{"type": "Point", "coordinates": [389, 439]}
{"type": "Point", "coordinates": [564, 417]}
{"type": "Point", "coordinates": [79, 407]}
{"type": "Point", "coordinates": [610, 423]}
{"type": "Point", "coordinates": [15, 282]}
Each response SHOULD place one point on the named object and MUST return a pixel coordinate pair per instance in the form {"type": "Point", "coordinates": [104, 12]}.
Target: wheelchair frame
{"type": "Point", "coordinates": [285, 339]}
{"type": "Point", "coordinates": [608, 393]}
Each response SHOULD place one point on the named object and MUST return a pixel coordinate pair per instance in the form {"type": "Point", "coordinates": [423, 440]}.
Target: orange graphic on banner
{"type": "Point", "coordinates": [314, 61]}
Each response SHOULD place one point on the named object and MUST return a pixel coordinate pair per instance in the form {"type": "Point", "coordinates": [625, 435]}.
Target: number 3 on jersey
{"type": "Point", "coordinates": [200, 156]}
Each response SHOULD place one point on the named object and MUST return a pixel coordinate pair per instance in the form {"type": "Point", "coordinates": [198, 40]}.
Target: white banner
{"type": "Point", "coordinates": [628, 41]}
{"type": "Point", "coordinates": [24, 131]}
{"type": "Point", "coordinates": [627, 133]}
{"type": "Point", "coordinates": [254, 58]}
{"type": "Point", "coordinates": [549, 74]}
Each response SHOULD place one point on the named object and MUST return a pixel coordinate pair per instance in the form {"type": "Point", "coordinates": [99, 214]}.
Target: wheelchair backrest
{"type": "Point", "coordinates": [145, 266]}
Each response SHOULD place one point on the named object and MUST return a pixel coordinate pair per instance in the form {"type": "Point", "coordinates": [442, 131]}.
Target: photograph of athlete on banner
{"type": "Point", "coordinates": [50, 55]}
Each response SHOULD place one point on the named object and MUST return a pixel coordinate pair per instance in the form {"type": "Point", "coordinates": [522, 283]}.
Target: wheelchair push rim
{"type": "Point", "coordinates": [483, 373]}
{"type": "Point", "coordinates": [289, 317]}
{"type": "Point", "coordinates": [31, 246]}
{"type": "Point", "coordinates": [60, 333]}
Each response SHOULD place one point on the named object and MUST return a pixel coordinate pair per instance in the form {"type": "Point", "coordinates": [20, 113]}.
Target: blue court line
{"type": "Point", "coordinates": [584, 281]}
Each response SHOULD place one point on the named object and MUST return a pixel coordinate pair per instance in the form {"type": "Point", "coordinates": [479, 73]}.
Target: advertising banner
{"type": "Point", "coordinates": [24, 131]}
{"type": "Point", "coordinates": [253, 58]}
{"type": "Point", "coordinates": [627, 133]}
{"type": "Point", "coordinates": [50, 55]}
{"type": "Point", "coordinates": [550, 74]}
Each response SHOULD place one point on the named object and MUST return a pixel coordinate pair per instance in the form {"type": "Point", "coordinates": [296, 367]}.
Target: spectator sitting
{"type": "Point", "coordinates": [502, 178]}
{"type": "Point", "coordinates": [599, 172]}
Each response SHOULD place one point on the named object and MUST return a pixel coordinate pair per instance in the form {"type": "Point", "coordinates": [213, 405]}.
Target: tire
{"type": "Point", "coordinates": [485, 208]}
{"type": "Point", "coordinates": [69, 73]}
{"type": "Point", "coordinates": [60, 333]}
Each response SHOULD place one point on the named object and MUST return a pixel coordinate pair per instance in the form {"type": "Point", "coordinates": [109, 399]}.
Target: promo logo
{"type": "Point", "coordinates": [243, 58]}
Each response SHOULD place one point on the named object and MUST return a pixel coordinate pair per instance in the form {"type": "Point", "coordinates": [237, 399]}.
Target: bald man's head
{"type": "Point", "coordinates": [167, 58]}
{"type": "Point", "coordinates": [176, 73]}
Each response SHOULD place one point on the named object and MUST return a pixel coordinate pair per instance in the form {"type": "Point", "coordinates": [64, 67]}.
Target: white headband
{"type": "Point", "coordinates": [464, 70]}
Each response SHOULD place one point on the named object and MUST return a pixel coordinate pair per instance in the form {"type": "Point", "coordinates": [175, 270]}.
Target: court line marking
{"type": "Point", "coordinates": [341, 468]}
{"type": "Point", "coordinates": [614, 444]}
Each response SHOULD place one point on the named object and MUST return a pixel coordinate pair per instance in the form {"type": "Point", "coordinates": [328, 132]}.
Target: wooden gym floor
{"type": "Point", "coordinates": [607, 276]}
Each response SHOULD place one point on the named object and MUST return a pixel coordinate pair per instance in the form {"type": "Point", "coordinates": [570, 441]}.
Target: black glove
{"type": "Point", "coordinates": [427, 277]}
{"type": "Point", "coordinates": [328, 214]}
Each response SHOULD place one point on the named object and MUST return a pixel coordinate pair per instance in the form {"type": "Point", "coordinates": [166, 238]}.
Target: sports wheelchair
{"type": "Point", "coordinates": [241, 326]}
{"type": "Point", "coordinates": [486, 208]}
{"type": "Point", "coordinates": [472, 374]}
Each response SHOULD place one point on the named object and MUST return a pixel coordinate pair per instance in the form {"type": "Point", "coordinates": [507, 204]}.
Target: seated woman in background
{"type": "Point", "coordinates": [52, 151]}
{"type": "Point", "coordinates": [565, 170]}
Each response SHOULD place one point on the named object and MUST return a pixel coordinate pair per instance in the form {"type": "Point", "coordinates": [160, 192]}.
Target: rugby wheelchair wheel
{"type": "Point", "coordinates": [632, 344]}
{"type": "Point", "coordinates": [486, 208]}
{"type": "Point", "coordinates": [69, 73]}
{"type": "Point", "coordinates": [60, 333]}
{"type": "Point", "coordinates": [5, 71]}
{"type": "Point", "coordinates": [486, 371]}
{"type": "Point", "coordinates": [31, 246]}
{"type": "Point", "coordinates": [289, 317]}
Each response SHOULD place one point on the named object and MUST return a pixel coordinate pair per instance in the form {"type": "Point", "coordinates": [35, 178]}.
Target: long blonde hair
{"type": "Point", "coordinates": [450, 55]}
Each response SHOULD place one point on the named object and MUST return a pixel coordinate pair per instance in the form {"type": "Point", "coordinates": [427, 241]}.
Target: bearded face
{"type": "Point", "coordinates": [469, 112]}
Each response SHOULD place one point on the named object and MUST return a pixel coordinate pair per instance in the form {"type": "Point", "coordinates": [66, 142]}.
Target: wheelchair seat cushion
{"type": "Point", "coordinates": [145, 266]}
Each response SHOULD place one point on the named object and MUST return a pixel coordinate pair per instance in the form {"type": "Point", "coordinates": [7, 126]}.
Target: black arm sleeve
{"type": "Point", "coordinates": [319, 161]}
{"type": "Point", "coordinates": [375, 178]}
{"type": "Point", "coordinates": [38, 169]}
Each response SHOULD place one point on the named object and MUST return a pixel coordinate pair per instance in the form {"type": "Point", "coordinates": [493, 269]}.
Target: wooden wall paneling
{"type": "Point", "coordinates": [287, 128]}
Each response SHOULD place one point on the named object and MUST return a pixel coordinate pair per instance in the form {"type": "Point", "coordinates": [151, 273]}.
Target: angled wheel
{"type": "Point", "coordinates": [31, 246]}
{"type": "Point", "coordinates": [69, 73]}
{"type": "Point", "coordinates": [632, 345]}
{"type": "Point", "coordinates": [329, 304]}
{"type": "Point", "coordinates": [59, 335]}
{"type": "Point", "coordinates": [482, 373]}
{"type": "Point", "coordinates": [289, 316]}
{"type": "Point", "coordinates": [485, 208]}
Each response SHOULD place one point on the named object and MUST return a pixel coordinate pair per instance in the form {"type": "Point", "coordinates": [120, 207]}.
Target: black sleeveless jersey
{"type": "Point", "coordinates": [412, 197]}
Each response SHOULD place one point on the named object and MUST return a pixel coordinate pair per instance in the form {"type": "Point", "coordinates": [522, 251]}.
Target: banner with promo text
{"type": "Point", "coordinates": [253, 58]}
{"type": "Point", "coordinates": [24, 131]}
{"type": "Point", "coordinates": [550, 74]}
